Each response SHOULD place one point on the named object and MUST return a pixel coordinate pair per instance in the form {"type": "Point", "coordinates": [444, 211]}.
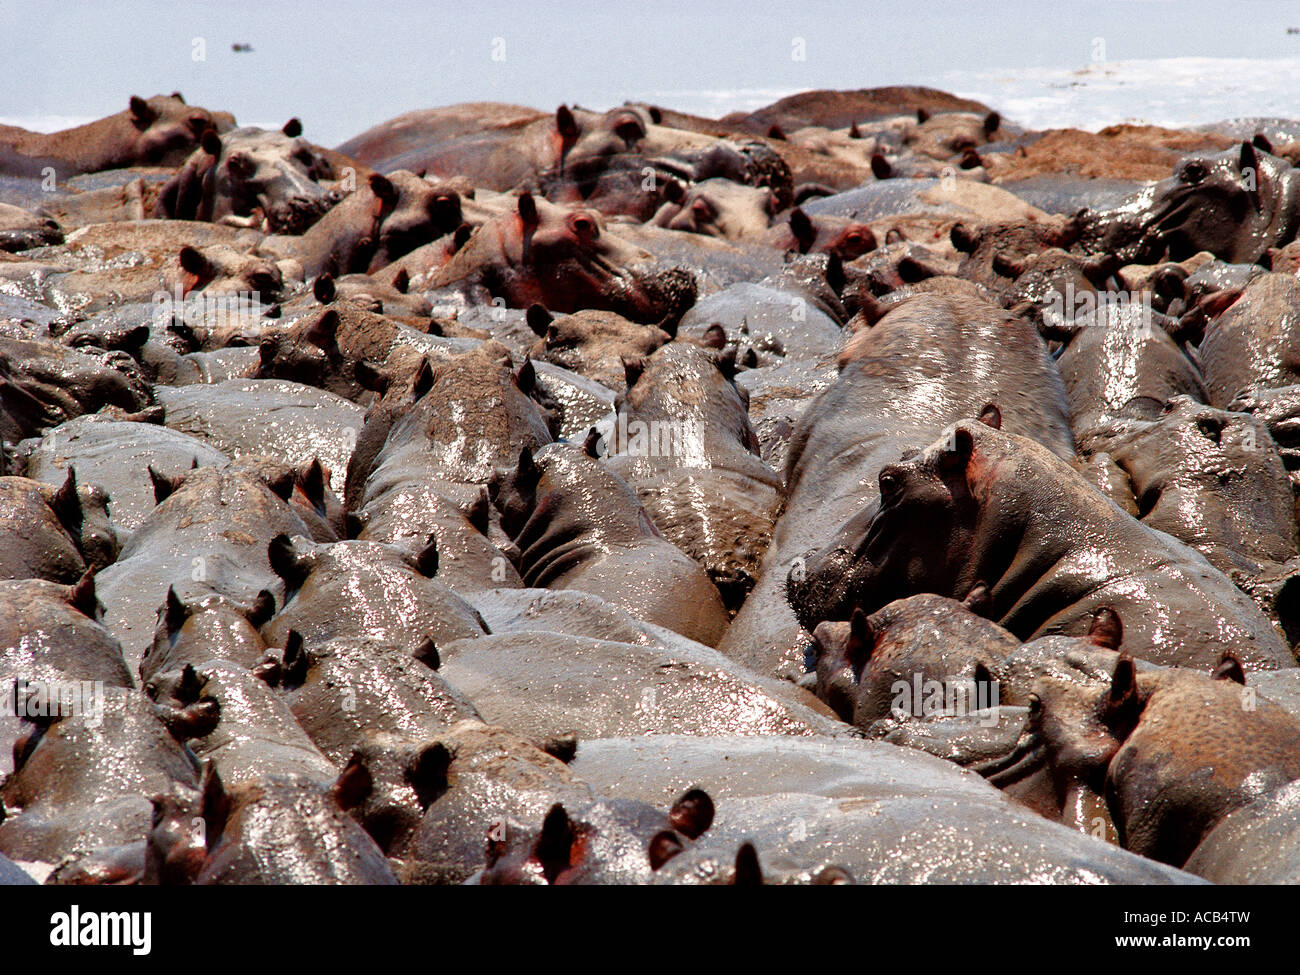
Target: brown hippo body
{"type": "Point", "coordinates": [708, 492]}
{"type": "Point", "coordinates": [579, 526]}
{"type": "Point", "coordinates": [927, 362]}
{"type": "Point", "coordinates": [593, 343]}
{"type": "Point", "coordinates": [980, 505]}
{"type": "Point", "coordinates": [159, 131]}
{"type": "Point", "coordinates": [57, 532]}
{"type": "Point", "coordinates": [1256, 342]}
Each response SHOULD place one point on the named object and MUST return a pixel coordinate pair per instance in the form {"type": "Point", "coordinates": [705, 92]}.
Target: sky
{"type": "Point", "coordinates": [342, 67]}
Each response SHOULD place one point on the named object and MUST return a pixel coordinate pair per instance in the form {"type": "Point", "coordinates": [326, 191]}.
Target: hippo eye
{"type": "Point", "coordinates": [584, 226]}
{"type": "Point", "coordinates": [891, 486]}
{"type": "Point", "coordinates": [1194, 172]}
{"type": "Point", "coordinates": [1035, 705]}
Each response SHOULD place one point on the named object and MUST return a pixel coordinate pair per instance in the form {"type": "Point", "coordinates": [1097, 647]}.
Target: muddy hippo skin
{"type": "Point", "coordinates": [20, 229]}
{"type": "Point", "coordinates": [619, 841]}
{"type": "Point", "coordinates": [54, 535]}
{"type": "Point", "coordinates": [592, 343]}
{"type": "Point", "coordinates": [211, 627]}
{"type": "Point", "coordinates": [926, 636]}
{"type": "Point", "coordinates": [984, 506]}
{"type": "Point", "coordinates": [254, 177]}
{"type": "Point", "coordinates": [275, 829]}
{"type": "Point", "coordinates": [1172, 751]}
{"type": "Point", "coordinates": [1235, 204]}
{"type": "Point", "coordinates": [347, 591]}
{"type": "Point", "coordinates": [218, 270]}
{"type": "Point", "coordinates": [380, 221]}
{"type": "Point", "coordinates": [63, 800]}
{"type": "Point", "coordinates": [708, 492]}
{"type": "Point", "coordinates": [1255, 844]}
{"type": "Point", "coordinates": [1256, 341]}
{"type": "Point", "coordinates": [159, 131]}
{"type": "Point", "coordinates": [566, 260]}
{"type": "Point", "coordinates": [578, 526]}
{"type": "Point", "coordinates": [893, 394]}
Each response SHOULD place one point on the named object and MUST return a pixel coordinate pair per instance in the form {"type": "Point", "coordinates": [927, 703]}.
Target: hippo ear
{"type": "Point", "coordinates": [992, 121]}
{"type": "Point", "coordinates": [174, 612]}
{"type": "Point", "coordinates": [991, 416]}
{"type": "Point", "coordinates": [1122, 706]}
{"type": "Point", "coordinates": [427, 653]}
{"type": "Point", "coordinates": [633, 367]}
{"type": "Point", "coordinates": [895, 235]}
{"type": "Point", "coordinates": [323, 289]}
{"type": "Point", "coordinates": [383, 188]}
{"type": "Point", "coordinates": [210, 141]}
{"type": "Point", "coordinates": [402, 282]}
{"type": "Point", "coordinates": [880, 167]}
{"type": "Point", "coordinates": [835, 279]}
{"type": "Point", "coordinates": [953, 461]}
{"type": "Point", "coordinates": [1230, 668]}
{"type": "Point", "coordinates": [862, 639]}
{"type": "Point", "coordinates": [82, 598]}
{"type": "Point", "coordinates": [461, 237]}
{"type": "Point", "coordinates": [280, 484]}
{"type": "Point", "coordinates": [528, 209]}
{"type": "Point", "coordinates": [479, 512]}
{"type": "Point", "coordinates": [286, 563]}
{"type": "Point", "coordinates": [423, 381]}
{"type": "Point", "coordinates": [164, 487]}
{"type": "Point", "coordinates": [1008, 267]}
{"type": "Point", "coordinates": [526, 377]}
{"type": "Point", "coordinates": [216, 804]}
{"type": "Point", "coordinates": [354, 784]}
{"type": "Point", "coordinates": [179, 97]}
{"type": "Point", "coordinates": [911, 270]}
{"type": "Point", "coordinates": [692, 814]}
{"type": "Point", "coordinates": [664, 845]}
{"type": "Point", "coordinates": [1106, 630]}
{"type": "Point", "coordinates": [141, 111]}
{"type": "Point", "coordinates": [591, 446]}
{"type": "Point", "coordinates": [854, 131]}
{"type": "Point", "coordinates": [979, 600]}
{"type": "Point", "coordinates": [748, 872]}
{"type": "Point", "coordinates": [962, 239]}
{"type": "Point", "coordinates": [554, 849]}
{"type": "Point", "coordinates": [528, 473]}
{"type": "Point", "coordinates": [538, 318]}
{"type": "Point", "coordinates": [263, 609]}
{"type": "Point", "coordinates": [426, 560]}
{"type": "Point", "coordinates": [565, 123]}
{"type": "Point", "coordinates": [715, 337]}
{"type": "Point", "coordinates": [323, 333]}
{"type": "Point", "coordinates": [922, 116]}
{"type": "Point", "coordinates": [193, 261]}
{"type": "Point", "coordinates": [1261, 142]}
{"type": "Point", "coordinates": [295, 660]}
{"type": "Point", "coordinates": [66, 504]}
{"type": "Point", "coordinates": [1248, 160]}
{"type": "Point", "coordinates": [369, 376]}
{"type": "Point", "coordinates": [427, 773]}
{"type": "Point", "coordinates": [802, 229]}
{"type": "Point", "coordinates": [311, 478]}
{"type": "Point", "coordinates": [292, 128]}
{"type": "Point", "coordinates": [195, 720]}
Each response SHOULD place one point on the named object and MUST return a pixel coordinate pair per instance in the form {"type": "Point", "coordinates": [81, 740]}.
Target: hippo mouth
{"type": "Point", "coordinates": [297, 214]}
{"type": "Point", "coordinates": [1027, 757]}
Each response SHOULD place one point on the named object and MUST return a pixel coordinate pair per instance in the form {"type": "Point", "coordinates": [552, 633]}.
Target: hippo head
{"type": "Point", "coordinates": [585, 142]}
{"type": "Point", "coordinates": [918, 537]}
{"type": "Point", "coordinates": [1235, 204]}
{"type": "Point", "coordinates": [219, 269]}
{"type": "Point", "coordinates": [166, 130]}
{"type": "Point", "coordinates": [277, 174]}
{"type": "Point", "coordinates": [415, 212]}
{"type": "Point", "coordinates": [564, 259]}
{"type": "Point", "coordinates": [720, 208]}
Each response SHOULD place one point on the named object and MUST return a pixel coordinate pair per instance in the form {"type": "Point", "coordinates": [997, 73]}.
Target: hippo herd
{"type": "Point", "coordinates": [860, 490]}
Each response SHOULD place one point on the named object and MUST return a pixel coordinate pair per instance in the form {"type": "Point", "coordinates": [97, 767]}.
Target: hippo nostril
{"type": "Point", "coordinates": [1211, 429]}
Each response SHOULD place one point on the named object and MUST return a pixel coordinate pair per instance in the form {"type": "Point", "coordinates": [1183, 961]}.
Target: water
{"type": "Point", "coordinates": [344, 66]}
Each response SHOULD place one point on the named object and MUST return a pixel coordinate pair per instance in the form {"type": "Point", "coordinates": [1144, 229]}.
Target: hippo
{"type": "Point", "coordinates": [21, 229]}
{"type": "Point", "coordinates": [720, 208]}
{"type": "Point", "coordinates": [616, 841]}
{"type": "Point", "coordinates": [199, 630]}
{"type": "Point", "coordinates": [220, 270]}
{"type": "Point", "coordinates": [1170, 753]}
{"type": "Point", "coordinates": [158, 131]}
{"type": "Point", "coordinates": [53, 632]}
{"type": "Point", "coordinates": [1255, 844]}
{"type": "Point", "coordinates": [1254, 342]}
{"type": "Point", "coordinates": [61, 798]}
{"type": "Point", "coordinates": [386, 218]}
{"type": "Point", "coordinates": [346, 590]}
{"type": "Point", "coordinates": [938, 640]}
{"type": "Point", "coordinates": [592, 343]}
{"type": "Point", "coordinates": [252, 177]}
{"type": "Point", "coordinates": [272, 829]}
{"type": "Point", "coordinates": [682, 440]}
{"type": "Point", "coordinates": [1236, 204]}
{"type": "Point", "coordinates": [577, 525]}
{"type": "Point", "coordinates": [893, 393]}
{"type": "Point", "coordinates": [566, 260]}
{"type": "Point", "coordinates": [846, 239]}
{"type": "Point", "coordinates": [1001, 509]}
{"type": "Point", "coordinates": [55, 534]}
